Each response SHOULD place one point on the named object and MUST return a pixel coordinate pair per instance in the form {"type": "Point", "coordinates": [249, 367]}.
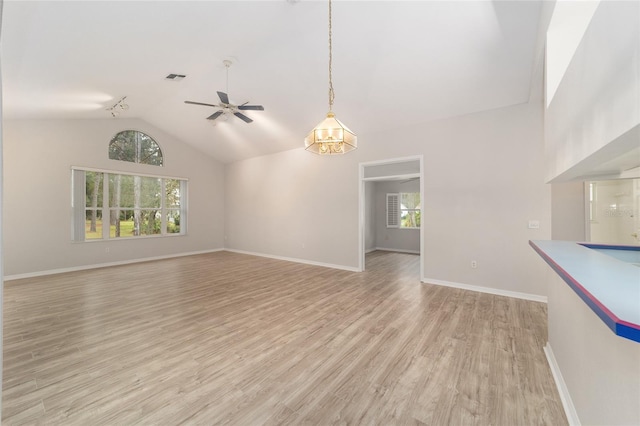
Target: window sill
{"type": "Point", "coordinates": [142, 237]}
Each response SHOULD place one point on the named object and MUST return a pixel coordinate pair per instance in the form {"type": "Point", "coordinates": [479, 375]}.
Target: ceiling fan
{"type": "Point", "coordinates": [226, 107]}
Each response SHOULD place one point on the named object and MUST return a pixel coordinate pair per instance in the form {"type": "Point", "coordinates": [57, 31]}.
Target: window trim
{"type": "Point", "coordinates": [119, 172]}
{"type": "Point", "coordinates": [80, 209]}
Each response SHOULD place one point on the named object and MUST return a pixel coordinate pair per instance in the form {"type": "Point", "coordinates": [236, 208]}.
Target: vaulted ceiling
{"type": "Point", "coordinates": [395, 64]}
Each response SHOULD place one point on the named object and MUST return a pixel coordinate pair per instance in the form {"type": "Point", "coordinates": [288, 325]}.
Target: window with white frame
{"type": "Point", "coordinates": [110, 205]}
{"type": "Point", "coordinates": [403, 210]}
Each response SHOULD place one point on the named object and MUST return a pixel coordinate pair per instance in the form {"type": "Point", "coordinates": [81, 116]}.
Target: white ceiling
{"type": "Point", "coordinates": [395, 64]}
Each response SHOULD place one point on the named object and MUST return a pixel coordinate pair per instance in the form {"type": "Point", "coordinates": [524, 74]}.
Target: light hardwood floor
{"type": "Point", "coordinates": [226, 338]}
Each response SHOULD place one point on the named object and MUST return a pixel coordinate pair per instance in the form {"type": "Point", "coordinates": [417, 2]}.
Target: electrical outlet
{"type": "Point", "coordinates": [474, 264]}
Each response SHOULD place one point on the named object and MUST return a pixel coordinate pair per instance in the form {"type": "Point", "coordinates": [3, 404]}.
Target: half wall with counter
{"type": "Point", "coordinates": [594, 329]}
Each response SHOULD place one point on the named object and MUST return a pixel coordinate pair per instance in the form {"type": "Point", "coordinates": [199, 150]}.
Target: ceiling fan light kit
{"type": "Point", "coordinates": [330, 136]}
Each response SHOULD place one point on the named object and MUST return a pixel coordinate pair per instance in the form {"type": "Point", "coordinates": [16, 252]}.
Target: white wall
{"type": "Point", "coordinates": [600, 369]}
{"type": "Point", "coordinates": [406, 240]}
{"type": "Point", "coordinates": [370, 216]}
{"type": "Point", "coordinates": [294, 204]}
{"type": "Point", "coordinates": [483, 179]}
{"type": "Point", "coordinates": [596, 103]}
{"type": "Point", "coordinates": [568, 214]}
{"type": "Point", "coordinates": [1, 220]}
{"type": "Point", "coordinates": [37, 194]}
{"type": "Point", "coordinates": [568, 24]}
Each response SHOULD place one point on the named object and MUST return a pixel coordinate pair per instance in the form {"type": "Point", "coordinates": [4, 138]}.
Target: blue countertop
{"type": "Point", "coordinates": [607, 283]}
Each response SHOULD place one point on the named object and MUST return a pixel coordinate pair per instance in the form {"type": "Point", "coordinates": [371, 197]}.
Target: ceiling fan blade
{"type": "Point", "coordinates": [251, 107]}
{"type": "Point", "coordinates": [243, 117]}
{"type": "Point", "coordinates": [215, 115]}
{"type": "Point", "coordinates": [223, 97]}
{"type": "Point", "coordinates": [199, 103]}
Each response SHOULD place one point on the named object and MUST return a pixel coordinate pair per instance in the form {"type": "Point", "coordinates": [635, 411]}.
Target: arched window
{"type": "Point", "coordinates": [135, 147]}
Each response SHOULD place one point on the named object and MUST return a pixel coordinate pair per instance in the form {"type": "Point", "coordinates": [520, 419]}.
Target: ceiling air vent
{"type": "Point", "coordinates": [175, 77]}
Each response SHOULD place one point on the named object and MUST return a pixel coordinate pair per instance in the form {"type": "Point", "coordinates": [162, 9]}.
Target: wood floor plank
{"type": "Point", "coordinates": [225, 338]}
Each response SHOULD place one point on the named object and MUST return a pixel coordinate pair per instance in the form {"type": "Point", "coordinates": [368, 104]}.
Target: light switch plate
{"type": "Point", "coordinates": [534, 224]}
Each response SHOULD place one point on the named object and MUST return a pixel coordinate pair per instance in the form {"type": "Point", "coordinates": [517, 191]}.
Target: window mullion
{"type": "Point", "coordinates": [79, 203]}
{"type": "Point", "coordinates": [106, 208]}
{"type": "Point", "coordinates": [163, 207]}
{"type": "Point", "coordinates": [184, 205]}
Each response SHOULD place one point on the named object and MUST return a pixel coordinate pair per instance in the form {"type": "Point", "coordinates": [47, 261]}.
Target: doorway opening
{"type": "Point", "coordinates": [381, 184]}
{"type": "Point", "coordinates": [613, 211]}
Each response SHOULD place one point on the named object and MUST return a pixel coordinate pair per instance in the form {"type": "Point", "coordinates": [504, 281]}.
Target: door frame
{"type": "Point", "coordinates": [361, 202]}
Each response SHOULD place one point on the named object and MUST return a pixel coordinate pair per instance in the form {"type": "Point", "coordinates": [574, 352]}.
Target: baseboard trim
{"type": "Point", "coordinates": [367, 251]}
{"type": "Point", "coordinates": [103, 265]}
{"type": "Point", "coordinates": [397, 250]}
{"type": "Point", "coordinates": [497, 292]}
{"type": "Point", "coordinates": [296, 260]}
{"type": "Point", "coordinates": [567, 403]}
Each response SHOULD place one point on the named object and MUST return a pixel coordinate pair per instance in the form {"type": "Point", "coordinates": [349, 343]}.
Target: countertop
{"type": "Point", "coordinates": [609, 286]}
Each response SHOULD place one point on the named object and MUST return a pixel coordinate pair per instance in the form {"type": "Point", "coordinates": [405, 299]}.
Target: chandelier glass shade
{"type": "Point", "coordinates": [330, 136]}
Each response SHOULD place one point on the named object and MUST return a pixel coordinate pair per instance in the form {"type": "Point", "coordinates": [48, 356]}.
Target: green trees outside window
{"type": "Point", "coordinates": [405, 206]}
{"type": "Point", "coordinates": [410, 210]}
{"type": "Point", "coordinates": [135, 147]}
{"type": "Point", "coordinates": [133, 205]}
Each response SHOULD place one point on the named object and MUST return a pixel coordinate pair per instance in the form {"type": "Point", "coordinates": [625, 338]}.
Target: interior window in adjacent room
{"type": "Point", "coordinates": [410, 210]}
{"type": "Point", "coordinates": [403, 210]}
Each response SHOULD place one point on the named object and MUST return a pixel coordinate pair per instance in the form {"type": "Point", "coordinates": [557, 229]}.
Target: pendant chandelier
{"type": "Point", "coordinates": [330, 136]}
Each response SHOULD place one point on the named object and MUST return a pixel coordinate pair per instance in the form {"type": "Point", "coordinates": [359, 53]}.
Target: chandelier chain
{"type": "Point", "coordinates": [331, 92]}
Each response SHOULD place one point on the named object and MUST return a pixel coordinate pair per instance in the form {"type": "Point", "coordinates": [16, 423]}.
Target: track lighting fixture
{"type": "Point", "coordinates": [117, 107]}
